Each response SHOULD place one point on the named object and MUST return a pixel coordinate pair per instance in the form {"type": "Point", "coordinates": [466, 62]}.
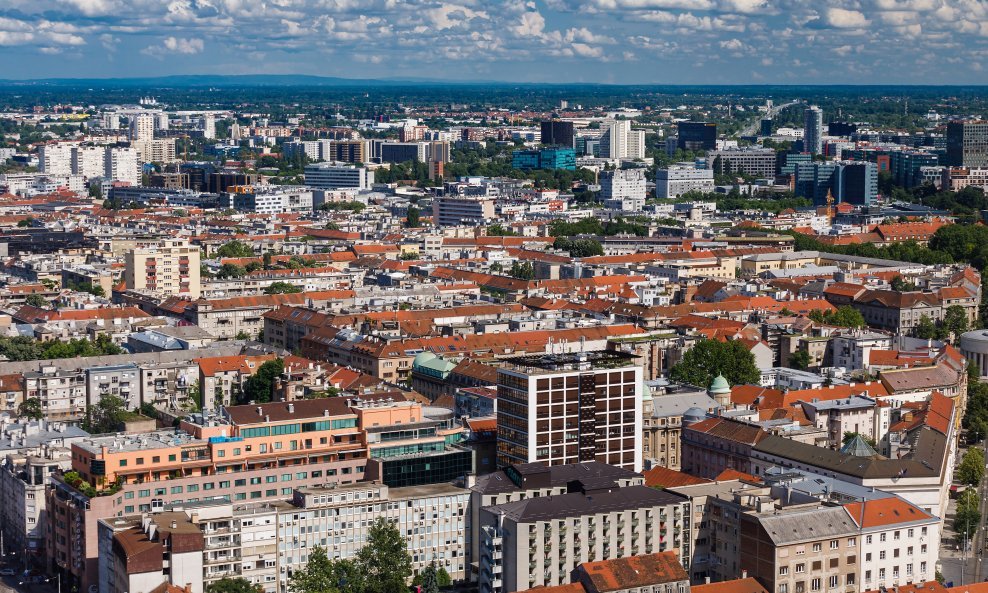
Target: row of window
{"type": "Point", "coordinates": [240, 483]}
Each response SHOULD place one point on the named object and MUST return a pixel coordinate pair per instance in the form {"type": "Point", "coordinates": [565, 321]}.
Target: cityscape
{"type": "Point", "coordinates": [414, 297]}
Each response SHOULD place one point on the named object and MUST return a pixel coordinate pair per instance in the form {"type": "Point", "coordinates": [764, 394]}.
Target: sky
{"type": "Point", "coordinates": [553, 41]}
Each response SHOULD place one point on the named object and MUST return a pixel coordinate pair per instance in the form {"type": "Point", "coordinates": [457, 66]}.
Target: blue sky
{"type": "Point", "coordinates": [610, 41]}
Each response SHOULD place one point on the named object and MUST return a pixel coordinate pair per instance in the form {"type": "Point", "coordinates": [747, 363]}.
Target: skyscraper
{"type": "Point", "coordinates": [619, 141]}
{"type": "Point", "coordinates": [142, 126]}
{"type": "Point", "coordinates": [967, 144]}
{"type": "Point", "coordinates": [813, 130]}
{"type": "Point", "coordinates": [208, 126]}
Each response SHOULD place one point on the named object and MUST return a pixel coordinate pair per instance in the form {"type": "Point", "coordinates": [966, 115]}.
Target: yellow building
{"type": "Point", "coordinates": [171, 266]}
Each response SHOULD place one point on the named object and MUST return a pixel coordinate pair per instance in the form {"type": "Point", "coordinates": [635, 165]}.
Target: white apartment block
{"type": "Point", "coordinates": [89, 161]}
{"type": "Point", "coordinates": [272, 200]}
{"type": "Point", "coordinates": [55, 159]}
{"type": "Point", "coordinates": [900, 543]}
{"type": "Point", "coordinates": [539, 541]}
{"type": "Point", "coordinates": [462, 210]}
{"type": "Point", "coordinates": [121, 164]}
{"type": "Point", "coordinates": [619, 141]}
{"type": "Point", "coordinates": [336, 175]}
{"type": "Point", "coordinates": [623, 189]}
{"type": "Point", "coordinates": [161, 150]}
{"type": "Point", "coordinates": [681, 178]}
{"type": "Point", "coordinates": [142, 126]}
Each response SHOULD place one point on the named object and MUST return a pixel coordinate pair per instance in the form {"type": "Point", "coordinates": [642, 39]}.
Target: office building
{"type": "Point", "coordinates": [696, 136]}
{"type": "Point", "coordinates": [545, 158]}
{"type": "Point", "coordinates": [756, 162]}
{"type": "Point", "coordinates": [249, 453]}
{"type": "Point", "coordinates": [169, 267]}
{"type": "Point", "coordinates": [907, 166]}
{"type": "Point", "coordinates": [334, 176]}
{"type": "Point", "coordinates": [539, 541]}
{"type": "Point", "coordinates": [841, 128]}
{"type": "Point", "coordinates": [854, 182]}
{"type": "Point", "coordinates": [785, 162]}
{"type": "Point", "coordinates": [813, 130]}
{"type": "Point", "coordinates": [967, 144]}
{"type": "Point", "coordinates": [765, 127]}
{"type": "Point", "coordinates": [456, 210]}
{"type": "Point", "coordinates": [142, 127]}
{"type": "Point", "coordinates": [270, 199]}
{"type": "Point", "coordinates": [682, 178]}
{"type": "Point", "coordinates": [623, 189]}
{"type": "Point", "coordinates": [217, 183]}
{"type": "Point", "coordinates": [619, 141]}
{"type": "Point", "coordinates": [568, 408]}
{"type": "Point", "coordinates": [557, 133]}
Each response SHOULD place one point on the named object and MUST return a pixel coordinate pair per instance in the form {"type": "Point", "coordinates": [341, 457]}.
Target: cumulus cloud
{"type": "Point", "coordinates": [843, 18]}
{"type": "Point", "coordinates": [175, 46]}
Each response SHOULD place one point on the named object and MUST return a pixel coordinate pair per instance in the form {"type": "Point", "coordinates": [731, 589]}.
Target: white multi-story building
{"type": "Point", "coordinates": [623, 189]}
{"type": "Point", "coordinates": [171, 266]}
{"type": "Point", "coordinates": [142, 126]}
{"type": "Point", "coordinates": [272, 200]}
{"type": "Point", "coordinates": [337, 175]}
{"type": "Point", "coordinates": [160, 150]}
{"type": "Point", "coordinates": [619, 141]}
{"type": "Point", "coordinates": [900, 543]}
{"type": "Point", "coordinates": [89, 161]}
{"type": "Point", "coordinates": [55, 159]}
{"type": "Point", "coordinates": [813, 130]}
{"type": "Point", "coordinates": [208, 126]}
{"type": "Point", "coordinates": [681, 178]}
{"type": "Point", "coordinates": [456, 210]}
{"type": "Point", "coordinates": [121, 164]}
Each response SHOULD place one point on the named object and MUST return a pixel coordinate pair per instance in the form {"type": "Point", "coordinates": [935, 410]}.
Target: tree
{"type": "Point", "coordinates": [234, 585]}
{"type": "Point", "coordinates": [430, 583]}
{"type": "Point", "coordinates": [708, 358]}
{"type": "Point", "coordinates": [106, 416]}
{"type": "Point", "coordinates": [259, 386]}
{"type": "Point", "coordinates": [968, 517]}
{"type": "Point", "coordinates": [36, 300]}
{"type": "Point", "coordinates": [384, 560]}
{"type": "Point", "coordinates": [901, 285]}
{"type": "Point", "coordinates": [844, 316]}
{"type": "Point", "coordinates": [231, 271]}
{"type": "Point", "coordinates": [30, 408]}
{"type": "Point", "coordinates": [800, 359]}
{"type": "Point", "coordinates": [443, 577]}
{"type": "Point", "coordinates": [97, 290]}
{"type": "Point", "coordinates": [235, 248]}
{"type": "Point", "coordinates": [848, 436]}
{"type": "Point", "coordinates": [324, 575]}
{"type": "Point", "coordinates": [412, 219]}
{"type": "Point", "coordinates": [282, 288]}
{"type": "Point", "coordinates": [925, 328]}
{"type": "Point", "coordinates": [522, 270]}
{"type": "Point", "coordinates": [954, 321]}
{"type": "Point", "coordinates": [972, 467]}
{"type": "Point", "coordinates": [267, 260]}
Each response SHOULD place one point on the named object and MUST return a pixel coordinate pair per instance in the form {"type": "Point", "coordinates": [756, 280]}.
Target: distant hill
{"type": "Point", "coordinates": [244, 80]}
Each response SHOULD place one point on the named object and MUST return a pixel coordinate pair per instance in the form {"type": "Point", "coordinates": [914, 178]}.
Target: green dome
{"type": "Point", "coordinates": [720, 385]}
{"type": "Point", "coordinates": [422, 358]}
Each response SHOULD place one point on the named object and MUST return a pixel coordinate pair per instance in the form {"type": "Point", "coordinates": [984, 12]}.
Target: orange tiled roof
{"type": "Point", "coordinates": [663, 477]}
{"type": "Point", "coordinates": [882, 512]}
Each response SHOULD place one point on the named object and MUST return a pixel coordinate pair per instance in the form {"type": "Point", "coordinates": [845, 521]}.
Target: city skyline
{"type": "Point", "coordinates": [556, 41]}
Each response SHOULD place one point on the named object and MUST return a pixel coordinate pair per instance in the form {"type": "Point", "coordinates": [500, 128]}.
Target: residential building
{"type": "Point", "coordinates": [122, 164]}
{"type": "Point", "coordinates": [682, 178]}
{"type": "Point", "coordinates": [142, 127]}
{"type": "Point", "coordinates": [664, 408]}
{"type": "Point", "coordinates": [454, 210]}
{"type": "Point", "coordinates": [264, 199]}
{"type": "Point", "coordinates": [623, 189]}
{"type": "Point", "coordinates": [656, 573]}
{"type": "Point", "coordinates": [55, 159]}
{"type": "Point", "coordinates": [568, 408]}
{"type": "Point", "coordinates": [619, 141]}
{"type": "Point", "coordinates": [712, 445]}
{"type": "Point", "coordinates": [757, 162]}
{"type": "Point", "coordinates": [538, 541]}
{"type": "Point", "coordinates": [171, 267]}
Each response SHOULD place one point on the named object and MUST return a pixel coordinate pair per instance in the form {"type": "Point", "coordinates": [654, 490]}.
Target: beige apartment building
{"type": "Point", "coordinates": [171, 267]}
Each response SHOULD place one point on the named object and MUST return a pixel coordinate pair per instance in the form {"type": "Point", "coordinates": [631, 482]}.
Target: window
{"type": "Point", "coordinates": [816, 547]}
{"type": "Point", "coordinates": [909, 570]}
{"type": "Point", "coordinates": [881, 554]}
{"type": "Point", "coordinates": [922, 567]}
{"type": "Point", "coordinates": [144, 493]}
{"type": "Point", "coordinates": [140, 461]}
{"type": "Point", "coordinates": [881, 537]}
{"type": "Point", "coordinates": [240, 482]}
{"type": "Point", "coordinates": [171, 457]}
{"type": "Point", "coordinates": [129, 508]}
{"type": "Point", "coordinates": [881, 574]}
{"type": "Point", "coordinates": [868, 539]}
{"type": "Point", "coordinates": [817, 565]}
{"type": "Point", "coordinates": [176, 489]}
{"type": "Point", "coordinates": [895, 553]}
{"type": "Point", "coordinates": [867, 576]}
{"type": "Point", "coordinates": [850, 578]}
{"type": "Point", "coordinates": [852, 541]}
{"type": "Point", "coordinates": [834, 544]}
{"type": "Point", "coordinates": [225, 484]}
{"type": "Point", "coordinates": [783, 571]}
{"type": "Point", "coordinates": [156, 459]}
{"type": "Point", "coordinates": [236, 451]}
{"type": "Point", "coordinates": [129, 495]}
{"type": "Point", "coordinates": [833, 581]}
{"type": "Point", "coordinates": [815, 584]}
{"type": "Point", "coordinates": [192, 488]}
{"type": "Point", "coordinates": [868, 557]}
{"type": "Point", "coordinates": [123, 463]}
{"type": "Point", "coordinates": [910, 533]}
{"type": "Point", "coordinates": [800, 568]}
{"type": "Point", "coordinates": [221, 453]}
{"type": "Point", "coordinates": [783, 588]}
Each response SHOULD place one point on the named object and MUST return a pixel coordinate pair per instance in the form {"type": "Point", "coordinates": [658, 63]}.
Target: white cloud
{"type": "Point", "coordinates": [842, 18]}
{"type": "Point", "coordinates": [175, 45]}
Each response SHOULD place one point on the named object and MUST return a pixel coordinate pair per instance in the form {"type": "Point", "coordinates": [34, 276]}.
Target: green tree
{"type": "Point", "coordinates": [848, 436]}
{"type": "Point", "coordinates": [235, 248]}
{"type": "Point", "coordinates": [267, 260]}
{"type": "Point", "coordinates": [231, 271]}
{"type": "Point", "coordinates": [36, 300]}
{"type": "Point", "coordinates": [844, 316]}
{"type": "Point", "coordinates": [234, 585]}
{"type": "Point", "coordinates": [967, 517]}
{"type": "Point", "coordinates": [282, 288]}
{"type": "Point", "coordinates": [106, 416]}
{"type": "Point", "coordinates": [324, 575]}
{"type": "Point", "coordinates": [412, 219]}
{"type": "Point", "coordinates": [971, 469]}
{"type": "Point", "coordinates": [954, 321]}
{"type": "Point", "coordinates": [443, 578]}
{"type": "Point", "coordinates": [384, 560]}
{"type": "Point", "coordinates": [901, 285]}
{"type": "Point", "coordinates": [925, 328]}
{"type": "Point", "coordinates": [800, 359]}
{"type": "Point", "coordinates": [258, 387]}
{"type": "Point", "coordinates": [31, 409]}
{"type": "Point", "coordinates": [708, 358]}
{"type": "Point", "coordinates": [497, 230]}
{"type": "Point", "coordinates": [522, 270]}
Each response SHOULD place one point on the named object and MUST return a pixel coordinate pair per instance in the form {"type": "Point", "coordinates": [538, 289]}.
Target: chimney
{"type": "Point", "coordinates": [174, 524]}
{"type": "Point", "coordinates": [744, 574]}
{"type": "Point", "coordinates": [291, 408]}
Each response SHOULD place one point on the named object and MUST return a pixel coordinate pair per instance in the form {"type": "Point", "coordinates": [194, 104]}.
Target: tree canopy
{"type": "Point", "coordinates": [971, 469]}
{"type": "Point", "coordinates": [708, 358]}
{"type": "Point", "coordinates": [258, 387]}
{"type": "Point", "coordinates": [235, 248]}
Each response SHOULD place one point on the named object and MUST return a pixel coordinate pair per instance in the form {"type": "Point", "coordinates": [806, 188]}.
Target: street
{"type": "Point", "coordinates": [961, 567]}
{"type": "Point", "coordinates": [752, 128]}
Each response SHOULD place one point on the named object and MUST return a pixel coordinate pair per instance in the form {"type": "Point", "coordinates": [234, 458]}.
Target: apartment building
{"type": "Point", "coordinates": [663, 415]}
{"type": "Point", "coordinates": [900, 543]}
{"type": "Point", "coordinates": [568, 408]}
{"type": "Point", "coordinates": [169, 267]}
{"type": "Point", "coordinates": [652, 573]}
{"type": "Point", "coordinates": [258, 199]}
{"type": "Point", "coordinates": [462, 210]}
{"type": "Point", "coordinates": [247, 453]}
{"type": "Point", "coordinates": [538, 541]}
{"type": "Point", "coordinates": [682, 178]}
{"type": "Point", "coordinates": [757, 162]}
{"type": "Point", "coordinates": [333, 176]}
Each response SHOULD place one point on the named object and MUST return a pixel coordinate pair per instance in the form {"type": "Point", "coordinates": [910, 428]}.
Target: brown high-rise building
{"type": "Point", "coordinates": [570, 408]}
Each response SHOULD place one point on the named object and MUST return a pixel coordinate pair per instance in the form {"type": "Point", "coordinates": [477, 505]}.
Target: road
{"type": "Point", "coordinates": [752, 128]}
{"type": "Point", "coordinates": [966, 568]}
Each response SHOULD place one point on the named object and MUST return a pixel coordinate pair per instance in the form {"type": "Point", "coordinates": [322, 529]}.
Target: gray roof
{"type": "Point", "coordinates": [677, 405]}
{"type": "Point", "coordinates": [577, 504]}
{"type": "Point", "coordinates": [858, 447]}
{"type": "Point", "coordinates": [925, 460]}
{"type": "Point", "coordinates": [559, 475]}
{"type": "Point", "coordinates": [36, 433]}
{"type": "Point", "coordinates": [812, 524]}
